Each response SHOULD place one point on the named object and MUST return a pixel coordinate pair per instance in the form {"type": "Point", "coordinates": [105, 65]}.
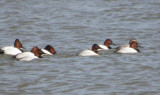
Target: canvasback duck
{"type": "Point", "coordinates": [12, 50]}
{"type": "Point", "coordinates": [128, 45]}
{"type": "Point", "coordinates": [27, 56]}
{"type": "Point", "coordinates": [48, 50]}
{"type": "Point", "coordinates": [107, 44]}
{"type": "Point", "coordinates": [132, 48]}
{"type": "Point", "coordinates": [92, 52]}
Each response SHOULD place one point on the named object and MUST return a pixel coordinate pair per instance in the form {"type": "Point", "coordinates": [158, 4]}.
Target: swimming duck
{"type": "Point", "coordinates": [27, 56]}
{"type": "Point", "coordinates": [92, 52]}
{"type": "Point", "coordinates": [132, 48]}
{"type": "Point", "coordinates": [107, 44]}
{"type": "Point", "coordinates": [12, 50]}
{"type": "Point", "coordinates": [48, 50]}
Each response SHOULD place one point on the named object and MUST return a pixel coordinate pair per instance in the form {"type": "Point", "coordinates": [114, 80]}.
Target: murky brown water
{"type": "Point", "coordinates": [72, 26]}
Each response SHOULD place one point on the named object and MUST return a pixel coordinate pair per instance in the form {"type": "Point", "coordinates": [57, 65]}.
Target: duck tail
{"type": "Point", "coordinates": [1, 51]}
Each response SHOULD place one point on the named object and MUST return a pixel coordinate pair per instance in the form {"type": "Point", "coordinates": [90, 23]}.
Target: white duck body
{"type": "Point", "coordinates": [126, 49]}
{"type": "Point", "coordinates": [103, 47]}
{"type": "Point", "coordinates": [24, 54]}
{"type": "Point", "coordinates": [27, 58]}
{"type": "Point", "coordinates": [88, 53]}
{"type": "Point", "coordinates": [46, 52]}
{"type": "Point", "coordinates": [10, 50]}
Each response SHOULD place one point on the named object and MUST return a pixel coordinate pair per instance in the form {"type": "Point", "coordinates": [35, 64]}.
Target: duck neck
{"type": "Point", "coordinates": [94, 50]}
{"type": "Point", "coordinates": [107, 44]}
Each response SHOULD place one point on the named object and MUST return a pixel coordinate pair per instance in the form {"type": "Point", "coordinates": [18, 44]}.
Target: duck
{"type": "Point", "coordinates": [48, 50]}
{"type": "Point", "coordinates": [106, 45]}
{"type": "Point", "coordinates": [91, 52]}
{"type": "Point", "coordinates": [28, 56]}
{"type": "Point", "coordinates": [12, 50]}
{"type": "Point", "coordinates": [132, 48]}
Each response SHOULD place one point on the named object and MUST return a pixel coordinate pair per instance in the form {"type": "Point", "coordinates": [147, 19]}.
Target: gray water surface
{"type": "Point", "coordinates": [75, 25]}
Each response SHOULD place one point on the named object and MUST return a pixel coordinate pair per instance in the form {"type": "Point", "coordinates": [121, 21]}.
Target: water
{"type": "Point", "coordinates": [72, 26]}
